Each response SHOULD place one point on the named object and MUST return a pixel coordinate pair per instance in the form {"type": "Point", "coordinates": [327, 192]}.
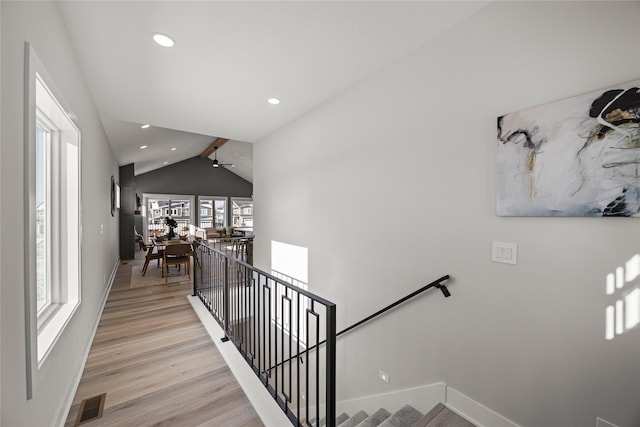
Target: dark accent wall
{"type": "Point", "coordinates": [193, 176]}
{"type": "Point", "coordinates": [127, 206]}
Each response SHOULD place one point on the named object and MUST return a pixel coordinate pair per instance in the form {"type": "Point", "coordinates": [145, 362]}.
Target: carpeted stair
{"type": "Point", "coordinates": [407, 416]}
{"type": "Point", "coordinates": [440, 415]}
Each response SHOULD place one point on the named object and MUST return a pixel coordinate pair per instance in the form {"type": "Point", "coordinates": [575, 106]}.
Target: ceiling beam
{"type": "Point", "coordinates": [217, 143]}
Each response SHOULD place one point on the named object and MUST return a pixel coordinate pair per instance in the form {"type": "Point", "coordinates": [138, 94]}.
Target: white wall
{"type": "Point", "coordinates": [392, 184]}
{"type": "Point", "coordinates": [0, 223]}
{"type": "Point", "coordinates": [40, 24]}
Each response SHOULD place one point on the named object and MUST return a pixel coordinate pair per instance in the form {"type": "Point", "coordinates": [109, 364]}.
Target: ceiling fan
{"type": "Point", "coordinates": [216, 163]}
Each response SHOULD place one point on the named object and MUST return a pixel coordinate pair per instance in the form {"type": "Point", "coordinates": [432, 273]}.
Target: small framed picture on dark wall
{"type": "Point", "coordinates": [115, 196]}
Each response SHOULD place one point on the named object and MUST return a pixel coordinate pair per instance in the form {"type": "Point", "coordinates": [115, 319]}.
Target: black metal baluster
{"type": "Point", "coordinates": [298, 358]}
{"type": "Point", "coordinates": [284, 298]}
{"type": "Point", "coordinates": [317, 366]}
{"type": "Point", "coordinates": [195, 272]}
{"type": "Point", "coordinates": [269, 326]}
{"type": "Point", "coordinates": [275, 335]}
{"type": "Point", "coordinates": [226, 296]}
{"type": "Point", "coordinates": [330, 357]}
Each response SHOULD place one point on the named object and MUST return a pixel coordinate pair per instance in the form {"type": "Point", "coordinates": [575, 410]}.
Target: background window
{"type": "Point", "coordinates": [161, 206]}
{"type": "Point", "coordinates": [242, 213]}
{"type": "Point", "coordinates": [213, 212]}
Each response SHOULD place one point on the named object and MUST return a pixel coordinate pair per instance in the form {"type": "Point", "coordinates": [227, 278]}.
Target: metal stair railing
{"type": "Point", "coordinates": [270, 321]}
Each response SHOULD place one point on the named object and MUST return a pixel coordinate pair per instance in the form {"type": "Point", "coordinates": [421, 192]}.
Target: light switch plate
{"type": "Point", "coordinates": [384, 376]}
{"type": "Point", "coordinates": [504, 252]}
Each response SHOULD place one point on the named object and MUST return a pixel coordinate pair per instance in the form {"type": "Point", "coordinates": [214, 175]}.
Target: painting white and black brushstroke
{"type": "Point", "coordinates": [576, 157]}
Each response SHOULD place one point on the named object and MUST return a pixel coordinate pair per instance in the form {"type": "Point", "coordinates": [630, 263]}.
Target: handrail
{"type": "Point", "coordinates": [435, 284]}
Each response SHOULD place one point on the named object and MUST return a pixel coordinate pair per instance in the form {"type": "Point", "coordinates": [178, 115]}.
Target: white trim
{"type": "Point", "coordinates": [267, 408]}
{"type": "Point", "coordinates": [70, 211]}
{"type": "Point", "coordinates": [66, 406]}
{"type": "Point", "coordinates": [474, 411]}
{"type": "Point", "coordinates": [603, 423]}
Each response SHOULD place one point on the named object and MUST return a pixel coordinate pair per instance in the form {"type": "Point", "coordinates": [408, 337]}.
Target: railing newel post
{"type": "Point", "coordinates": [331, 366]}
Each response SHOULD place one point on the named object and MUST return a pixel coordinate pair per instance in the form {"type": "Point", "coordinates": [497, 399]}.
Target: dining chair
{"type": "Point", "coordinates": [151, 255]}
{"type": "Point", "coordinates": [176, 254]}
{"type": "Point", "coordinates": [239, 248]}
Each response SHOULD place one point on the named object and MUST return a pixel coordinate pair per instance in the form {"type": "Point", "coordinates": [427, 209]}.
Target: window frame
{"type": "Point", "coordinates": [44, 106]}
{"type": "Point", "coordinates": [166, 211]}
{"type": "Point", "coordinates": [213, 199]}
{"type": "Point", "coordinates": [247, 217]}
{"type": "Point", "coordinates": [43, 123]}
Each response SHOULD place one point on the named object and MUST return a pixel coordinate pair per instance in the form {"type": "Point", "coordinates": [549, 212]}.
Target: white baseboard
{"type": "Point", "coordinates": [474, 411]}
{"type": "Point", "coordinates": [267, 408]}
{"type": "Point", "coordinates": [62, 416]}
{"type": "Point", "coordinates": [422, 398]}
{"type": "Point", "coordinates": [603, 423]}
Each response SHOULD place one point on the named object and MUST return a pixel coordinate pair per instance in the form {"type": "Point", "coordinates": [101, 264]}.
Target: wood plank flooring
{"type": "Point", "coordinates": [156, 363]}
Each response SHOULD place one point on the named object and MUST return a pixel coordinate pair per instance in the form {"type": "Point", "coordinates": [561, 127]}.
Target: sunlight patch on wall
{"type": "Point", "coordinates": [611, 284]}
{"type": "Point", "coordinates": [619, 278]}
{"type": "Point", "coordinates": [289, 263]}
{"type": "Point", "coordinates": [624, 314]}
{"type": "Point", "coordinates": [290, 260]}
{"type": "Point", "coordinates": [632, 268]}
{"type": "Point", "coordinates": [632, 312]}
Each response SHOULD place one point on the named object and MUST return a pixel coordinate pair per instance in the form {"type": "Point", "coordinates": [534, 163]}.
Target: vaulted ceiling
{"type": "Point", "coordinates": [229, 58]}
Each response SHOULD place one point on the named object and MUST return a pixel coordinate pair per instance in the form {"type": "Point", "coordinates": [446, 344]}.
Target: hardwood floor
{"type": "Point", "coordinates": [156, 363]}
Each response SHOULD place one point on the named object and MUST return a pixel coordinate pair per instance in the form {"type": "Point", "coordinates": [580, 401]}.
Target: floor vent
{"type": "Point", "coordinates": [91, 409]}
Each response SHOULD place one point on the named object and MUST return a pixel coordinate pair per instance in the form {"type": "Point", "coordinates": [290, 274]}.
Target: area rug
{"type": "Point", "coordinates": [154, 275]}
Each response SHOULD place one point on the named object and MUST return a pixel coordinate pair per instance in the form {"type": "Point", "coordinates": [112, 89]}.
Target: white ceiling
{"type": "Point", "coordinates": [229, 57]}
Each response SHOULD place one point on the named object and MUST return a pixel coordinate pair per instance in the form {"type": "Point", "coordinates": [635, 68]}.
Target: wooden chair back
{"type": "Point", "coordinates": [176, 254]}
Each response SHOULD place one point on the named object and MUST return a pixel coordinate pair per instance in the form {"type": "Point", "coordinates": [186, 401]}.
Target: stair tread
{"type": "Point", "coordinates": [353, 421]}
{"type": "Point", "coordinates": [376, 419]}
{"type": "Point", "coordinates": [403, 417]}
{"type": "Point", "coordinates": [342, 418]}
{"type": "Point", "coordinates": [440, 415]}
{"type": "Point", "coordinates": [407, 416]}
{"type": "Point", "coordinates": [339, 419]}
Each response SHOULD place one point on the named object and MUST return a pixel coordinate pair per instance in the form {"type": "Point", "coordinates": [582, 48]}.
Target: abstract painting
{"type": "Point", "coordinates": [576, 157]}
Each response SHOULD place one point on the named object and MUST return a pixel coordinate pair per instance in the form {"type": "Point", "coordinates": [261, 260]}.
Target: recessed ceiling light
{"type": "Point", "coordinates": [163, 40]}
{"type": "Point", "coordinates": [173, 149]}
{"type": "Point", "coordinates": [273, 101]}
{"type": "Point", "coordinates": [166, 163]}
{"type": "Point", "coordinates": [144, 126]}
{"type": "Point", "coordinates": [142, 147]}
